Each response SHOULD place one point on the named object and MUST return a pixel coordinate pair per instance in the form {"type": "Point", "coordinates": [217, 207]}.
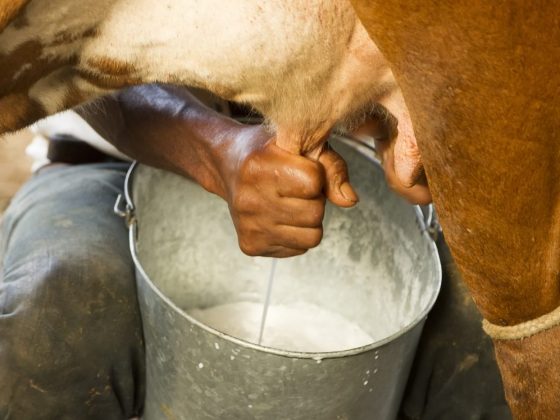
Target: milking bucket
{"type": "Point", "coordinates": [377, 268]}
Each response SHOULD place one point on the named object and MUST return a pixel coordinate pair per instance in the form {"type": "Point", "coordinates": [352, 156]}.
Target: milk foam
{"type": "Point", "coordinates": [299, 326]}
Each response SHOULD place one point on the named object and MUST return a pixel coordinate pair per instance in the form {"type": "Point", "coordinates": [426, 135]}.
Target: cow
{"type": "Point", "coordinates": [478, 79]}
{"type": "Point", "coordinates": [484, 95]}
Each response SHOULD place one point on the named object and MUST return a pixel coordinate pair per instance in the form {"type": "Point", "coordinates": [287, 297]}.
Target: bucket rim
{"type": "Point", "coordinates": [369, 153]}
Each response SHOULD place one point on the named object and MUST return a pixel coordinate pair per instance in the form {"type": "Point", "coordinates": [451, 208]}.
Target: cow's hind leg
{"type": "Point", "coordinates": [454, 374]}
{"type": "Point", "coordinates": [482, 84]}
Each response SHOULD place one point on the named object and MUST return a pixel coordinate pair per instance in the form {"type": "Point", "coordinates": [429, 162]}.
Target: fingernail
{"type": "Point", "coordinates": [348, 192]}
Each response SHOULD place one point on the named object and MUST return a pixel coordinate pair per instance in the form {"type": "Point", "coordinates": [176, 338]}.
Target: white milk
{"type": "Point", "coordinates": [298, 326]}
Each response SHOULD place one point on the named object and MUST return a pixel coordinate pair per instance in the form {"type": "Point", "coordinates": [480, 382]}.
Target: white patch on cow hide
{"type": "Point", "coordinates": [22, 69]}
{"type": "Point", "coordinates": [47, 19]}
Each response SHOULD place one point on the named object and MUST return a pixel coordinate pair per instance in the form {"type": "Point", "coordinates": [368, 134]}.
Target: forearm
{"type": "Point", "coordinates": [276, 198]}
{"type": "Point", "coordinates": [168, 128]}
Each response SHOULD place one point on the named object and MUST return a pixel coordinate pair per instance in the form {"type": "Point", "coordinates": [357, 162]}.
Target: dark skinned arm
{"type": "Point", "coordinates": [276, 199]}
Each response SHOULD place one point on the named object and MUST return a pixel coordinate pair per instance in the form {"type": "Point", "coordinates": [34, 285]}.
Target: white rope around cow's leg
{"type": "Point", "coordinates": [523, 330]}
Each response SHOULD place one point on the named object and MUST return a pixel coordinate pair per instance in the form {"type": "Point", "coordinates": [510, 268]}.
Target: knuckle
{"type": "Point", "coordinates": [244, 202]}
{"type": "Point", "coordinates": [249, 248]}
{"type": "Point", "coordinates": [315, 237]}
{"type": "Point", "coordinates": [294, 252]}
{"type": "Point", "coordinates": [250, 239]}
{"type": "Point", "coordinates": [315, 181]}
{"type": "Point", "coordinates": [251, 168]}
{"type": "Point", "coordinates": [308, 177]}
{"type": "Point", "coordinates": [311, 186]}
{"type": "Point", "coordinates": [315, 213]}
{"type": "Point", "coordinates": [319, 210]}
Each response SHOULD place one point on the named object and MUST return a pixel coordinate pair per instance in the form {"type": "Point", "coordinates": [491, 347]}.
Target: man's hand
{"type": "Point", "coordinates": [277, 199]}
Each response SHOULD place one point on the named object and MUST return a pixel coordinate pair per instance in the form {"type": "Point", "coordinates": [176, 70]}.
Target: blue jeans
{"type": "Point", "coordinates": [71, 344]}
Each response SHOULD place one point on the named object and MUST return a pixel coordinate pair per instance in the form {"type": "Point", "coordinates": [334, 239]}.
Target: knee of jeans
{"type": "Point", "coordinates": [59, 303]}
{"type": "Point", "coordinates": [69, 320]}
{"type": "Point", "coordinates": [64, 285]}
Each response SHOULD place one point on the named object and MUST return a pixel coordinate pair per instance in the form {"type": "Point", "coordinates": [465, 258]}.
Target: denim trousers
{"type": "Point", "coordinates": [71, 344]}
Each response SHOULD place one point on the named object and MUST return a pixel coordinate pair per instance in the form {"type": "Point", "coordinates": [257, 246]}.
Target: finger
{"type": "Point", "coordinates": [251, 208]}
{"type": "Point", "coordinates": [283, 252]}
{"type": "Point", "coordinates": [299, 213]}
{"type": "Point", "coordinates": [298, 238]}
{"type": "Point", "coordinates": [268, 250]}
{"type": "Point", "coordinates": [337, 184]}
{"type": "Point", "coordinates": [289, 175]}
{"type": "Point", "coordinates": [255, 240]}
{"type": "Point", "coordinates": [299, 177]}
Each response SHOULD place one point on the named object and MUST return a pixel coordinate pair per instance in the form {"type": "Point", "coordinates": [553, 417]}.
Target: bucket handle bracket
{"type": "Point", "coordinates": [124, 210]}
{"type": "Point", "coordinates": [431, 223]}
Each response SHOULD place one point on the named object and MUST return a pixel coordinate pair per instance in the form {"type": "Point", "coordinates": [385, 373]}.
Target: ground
{"type": "Point", "coordinates": [14, 165]}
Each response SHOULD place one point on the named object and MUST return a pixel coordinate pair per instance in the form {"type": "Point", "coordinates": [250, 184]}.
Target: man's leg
{"type": "Point", "coordinates": [71, 340]}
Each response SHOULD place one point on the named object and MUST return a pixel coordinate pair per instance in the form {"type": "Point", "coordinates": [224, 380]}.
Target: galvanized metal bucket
{"type": "Point", "coordinates": [377, 266]}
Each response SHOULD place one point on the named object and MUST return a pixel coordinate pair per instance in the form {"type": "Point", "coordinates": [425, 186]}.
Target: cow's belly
{"type": "Point", "coordinates": [304, 64]}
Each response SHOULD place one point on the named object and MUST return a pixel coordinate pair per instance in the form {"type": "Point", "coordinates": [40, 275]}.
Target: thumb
{"type": "Point", "coordinates": [337, 186]}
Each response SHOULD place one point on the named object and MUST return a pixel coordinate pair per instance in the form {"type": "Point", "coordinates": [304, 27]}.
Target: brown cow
{"type": "Point", "coordinates": [489, 67]}
{"type": "Point", "coordinates": [481, 83]}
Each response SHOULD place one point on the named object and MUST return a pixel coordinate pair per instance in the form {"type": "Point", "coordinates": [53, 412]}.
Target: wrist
{"type": "Point", "coordinates": [220, 140]}
{"type": "Point", "coordinates": [169, 128]}
{"type": "Point", "coordinates": [240, 142]}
